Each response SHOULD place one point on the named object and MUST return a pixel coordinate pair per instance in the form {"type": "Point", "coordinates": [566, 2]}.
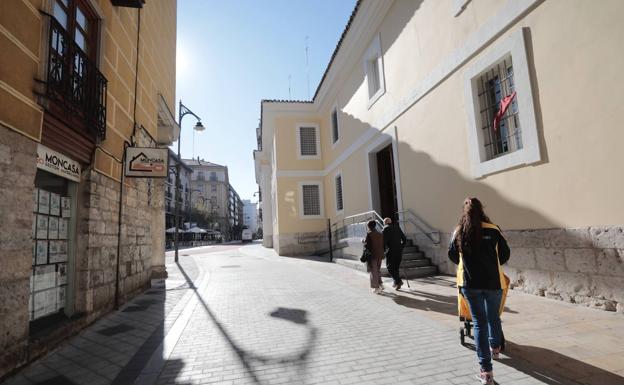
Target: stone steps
{"type": "Point", "coordinates": [413, 256]}
{"type": "Point", "coordinates": [406, 271]}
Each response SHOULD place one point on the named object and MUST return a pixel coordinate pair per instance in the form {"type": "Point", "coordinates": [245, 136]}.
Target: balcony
{"type": "Point", "coordinates": [74, 84]}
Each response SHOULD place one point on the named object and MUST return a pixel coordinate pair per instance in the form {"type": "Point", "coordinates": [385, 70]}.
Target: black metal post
{"type": "Point", "coordinates": [329, 237]}
{"type": "Point", "coordinates": [182, 111]}
{"type": "Point", "coordinates": [177, 187]}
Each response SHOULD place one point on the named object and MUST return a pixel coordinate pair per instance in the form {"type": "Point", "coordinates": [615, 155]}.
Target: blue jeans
{"type": "Point", "coordinates": [484, 306]}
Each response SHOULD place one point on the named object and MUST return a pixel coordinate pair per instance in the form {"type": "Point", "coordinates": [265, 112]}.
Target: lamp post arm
{"type": "Point", "coordinates": [183, 111]}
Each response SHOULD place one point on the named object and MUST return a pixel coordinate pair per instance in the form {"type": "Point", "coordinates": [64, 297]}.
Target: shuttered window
{"type": "Point", "coordinates": [335, 133]}
{"type": "Point", "coordinates": [339, 202]}
{"type": "Point", "coordinates": [311, 200]}
{"type": "Point", "coordinates": [307, 141]}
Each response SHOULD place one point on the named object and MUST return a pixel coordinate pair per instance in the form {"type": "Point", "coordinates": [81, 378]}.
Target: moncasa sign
{"type": "Point", "coordinates": [58, 164]}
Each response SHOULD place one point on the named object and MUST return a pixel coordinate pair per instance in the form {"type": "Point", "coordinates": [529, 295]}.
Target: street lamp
{"type": "Point", "coordinates": [182, 112]}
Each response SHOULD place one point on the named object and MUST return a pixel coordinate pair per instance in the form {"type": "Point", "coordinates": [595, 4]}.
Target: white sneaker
{"type": "Point", "coordinates": [378, 291]}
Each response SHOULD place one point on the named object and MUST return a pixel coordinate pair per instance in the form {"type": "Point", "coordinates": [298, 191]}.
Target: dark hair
{"type": "Point", "coordinates": [470, 232]}
{"type": "Point", "coordinates": [371, 224]}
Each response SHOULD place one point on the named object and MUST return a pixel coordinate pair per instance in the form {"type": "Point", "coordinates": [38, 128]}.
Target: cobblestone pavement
{"type": "Point", "coordinates": [243, 315]}
{"type": "Point", "coordinates": [273, 320]}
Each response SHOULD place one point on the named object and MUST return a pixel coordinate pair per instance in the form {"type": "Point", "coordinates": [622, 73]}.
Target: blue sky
{"type": "Point", "coordinates": [233, 53]}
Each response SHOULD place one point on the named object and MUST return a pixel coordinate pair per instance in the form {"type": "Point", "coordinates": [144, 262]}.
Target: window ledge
{"type": "Point", "coordinates": [375, 97]}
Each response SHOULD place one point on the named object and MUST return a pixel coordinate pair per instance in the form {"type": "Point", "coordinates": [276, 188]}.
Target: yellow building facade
{"type": "Point", "coordinates": [426, 102]}
{"type": "Point", "coordinates": [79, 81]}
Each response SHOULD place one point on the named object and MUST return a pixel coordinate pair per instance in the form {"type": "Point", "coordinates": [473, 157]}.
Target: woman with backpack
{"type": "Point", "coordinates": [479, 249]}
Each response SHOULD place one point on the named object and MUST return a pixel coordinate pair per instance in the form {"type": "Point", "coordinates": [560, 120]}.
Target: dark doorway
{"type": "Point", "coordinates": [387, 183]}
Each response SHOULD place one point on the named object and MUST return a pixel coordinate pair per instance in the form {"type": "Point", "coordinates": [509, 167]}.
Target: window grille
{"type": "Point", "coordinates": [335, 134]}
{"type": "Point", "coordinates": [311, 200]}
{"type": "Point", "coordinates": [307, 141]}
{"type": "Point", "coordinates": [504, 135]}
{"type": "Point", "coordinates": [339, 202]}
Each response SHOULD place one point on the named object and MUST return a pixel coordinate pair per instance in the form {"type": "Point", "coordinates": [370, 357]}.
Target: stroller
{"type": "Point", "coordinates": [466, 318]}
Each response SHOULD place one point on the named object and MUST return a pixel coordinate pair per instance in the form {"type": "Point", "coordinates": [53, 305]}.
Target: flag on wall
{"type": "Point", "coordinates": [504, 104]}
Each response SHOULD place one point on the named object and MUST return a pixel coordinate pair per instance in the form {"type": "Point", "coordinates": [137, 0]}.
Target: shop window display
{"type": "Point", "coordinates": [52, 207]}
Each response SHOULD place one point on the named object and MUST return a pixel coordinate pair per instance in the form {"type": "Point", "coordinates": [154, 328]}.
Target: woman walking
{"type": "Point", "coordinates": [479, 249]}
{"type": "Point", "coordinates": [375, 245]}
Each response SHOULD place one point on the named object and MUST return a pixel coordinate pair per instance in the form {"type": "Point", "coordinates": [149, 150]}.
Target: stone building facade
{"type": "Point", "coordinates": [427, 102]}
{"type": "Point", "coordinates": [170, 192]}
{"type": "Point", "coordinates": [79, 81]}
{"type": "Point", "coordinates": [213, 195]}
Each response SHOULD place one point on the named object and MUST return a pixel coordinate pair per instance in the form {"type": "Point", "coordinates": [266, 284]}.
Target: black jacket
{"type": "Point", "coordinates": [394, 239]}
{"type": "Point", "coordinates": [481, 268]}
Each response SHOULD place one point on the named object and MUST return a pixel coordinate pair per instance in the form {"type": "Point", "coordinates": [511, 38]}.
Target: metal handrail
{"type": "Point", "coordinates": [416, 221]}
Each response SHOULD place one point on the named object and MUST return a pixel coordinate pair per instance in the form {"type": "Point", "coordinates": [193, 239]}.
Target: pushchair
{"type": "Point", "coordinates": [466, 318]}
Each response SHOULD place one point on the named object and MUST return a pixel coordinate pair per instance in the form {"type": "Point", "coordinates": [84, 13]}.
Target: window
{"type": "Point", "coordinates": [308, 141]}
{"type": "Point", "coordinates": [311, 200]}
{"type": "Point", "coordinates": [339, 201]}
{"type": "Point", "coordinates": [213, 176]}
{"type": "Point", "coordinates": [499, 110]}
{"type": "Point", "coordinates": [334, 122]}
{"type": "Point", "coordinates": [502, 126]}
{"type": "Point", "coordinates": [80, 23]}
{"type": "Point", "coordinates": [213, 187]}
{"type": "Point", "coordinates": [373, 68]}
{"type": "Point", "coordinates": [74, 82]}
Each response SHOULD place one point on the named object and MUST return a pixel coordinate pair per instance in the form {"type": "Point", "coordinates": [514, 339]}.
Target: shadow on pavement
{"type": "Point", "coordinates": [559, 369]}
{"type": "Point", "coordinates": [433, 302]}
{"type": "Point", "coordinates": [246, 358]}
{"type": "Point", "coordinates": [546, 365]}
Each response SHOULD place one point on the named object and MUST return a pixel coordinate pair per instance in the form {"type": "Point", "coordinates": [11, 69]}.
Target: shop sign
{"type": "Point", "coordinates": [57, 163]}
{"type": "Point", "coordinates": [146, 162]}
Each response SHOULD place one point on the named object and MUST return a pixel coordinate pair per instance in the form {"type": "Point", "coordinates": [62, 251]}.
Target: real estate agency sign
{"type": "Point", "coordinates": [57, 163]}
{"type": "Point", "coordinates": [146, 162]}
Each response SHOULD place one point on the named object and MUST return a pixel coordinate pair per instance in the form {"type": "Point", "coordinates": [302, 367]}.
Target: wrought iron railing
{"type": "Point", "coordinates": [74, 81]}
{"type": "Point", "coordinates": [418, 226]}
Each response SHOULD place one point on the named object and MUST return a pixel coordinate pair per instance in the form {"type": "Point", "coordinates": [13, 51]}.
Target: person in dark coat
{"type": "Point", "coordinates": [479, 249]}
{"type": "Point", "coordinates": [394, 242]}
{"type": "Point", "coordinates": [374, 244]}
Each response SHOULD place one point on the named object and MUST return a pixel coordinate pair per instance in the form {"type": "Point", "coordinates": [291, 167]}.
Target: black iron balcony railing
{"type": "Point", "coordinates": [74, 81]}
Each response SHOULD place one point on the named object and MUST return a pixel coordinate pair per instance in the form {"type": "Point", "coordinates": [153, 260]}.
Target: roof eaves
{"type": "Point", "coordinates": [342, 37]}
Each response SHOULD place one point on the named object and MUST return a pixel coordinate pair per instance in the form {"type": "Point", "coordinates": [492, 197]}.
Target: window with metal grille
{"type": "Point", "coordinates": [339, 202]}
{"type": "Point", "coordinates": [307, 141]}
{"type": "Point", "coordinates": [498, 110]}
{"type": "Point", "coordinates": [311, 199]}
{"type": "Point", "coordinates": [335, 133]}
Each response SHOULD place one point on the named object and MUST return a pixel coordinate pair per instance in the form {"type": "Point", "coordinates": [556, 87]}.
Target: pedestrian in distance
{"type": "Point", "coordinates": [479, 249]}
{"type": "Point", "coordinates": [375, 245]}
{"type": "Point", "coordinates": [394, 243]}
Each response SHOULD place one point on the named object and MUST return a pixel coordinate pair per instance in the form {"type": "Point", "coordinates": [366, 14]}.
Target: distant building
{"type": "Point", "coordinates": [212, 196]}
{"type": "Point", "coordinates": [235, 213]}
{"type": "Point", "coordinates": [170, 192]}
{"type": "Point", "coordinates": [250, 215]}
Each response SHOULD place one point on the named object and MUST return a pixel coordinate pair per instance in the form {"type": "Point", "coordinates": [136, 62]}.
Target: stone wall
{"type": "Point", "coordinates": [17, 182]}
{"type": "Point", "coordinates": [299, 244]}
{"type": "Point", "coordinates": [578, 265]}
{"type": "Point", "coordinates": [97, 258]}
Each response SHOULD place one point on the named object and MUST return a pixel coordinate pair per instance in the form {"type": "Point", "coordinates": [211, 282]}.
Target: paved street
{"type": "Point", "coordinates": [233, 315]}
